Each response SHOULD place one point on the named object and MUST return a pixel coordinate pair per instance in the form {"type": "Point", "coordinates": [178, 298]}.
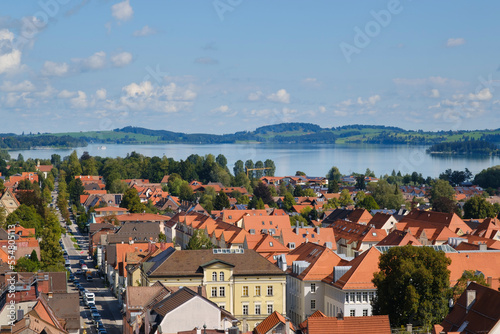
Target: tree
{"type": "Point", "coordinates": [288, 202]}
{"type": "Point", "coordinates": [263, 192]}
{"type": "Point", "coordinates": [221, 201]}
{"type": "Point", "coordinates": [360, 182]}
{"type": "Point", "coordinates": [238, 168]}
{"type": "Point", "coordinates": [386, 195]}
{"type": "Point", "coordinates": [333, 175]}
{"type": "Point", "coordinates": [132, 202]}
{"type": "Point", "coordinates": [272, 167]}
{"type": "Point", "coordinates": [345, 198]}
{"type": "Point", "coordinates": [444, 204]}
{"type": "Point", "coordinates": [249, 165]}
{"type": "Point", "coordinates": [55, 159]}
{"type": "Point", "coordinates": [25, 264]}
{"type": "Point", "coordinates": [162, 237]}
{"type": "Point", "coordinates": [199, 240]}
{"type": "Point", "coordinates": [477, 207]}
{"type": "Point", "coordinates": [75, 189]}
{"type": "Point", "coordinates": [488, 178]}
{"type": "Point", "coordinates": [185, 192]}
{"type": "Point", "coordinates": [463, 281]}
{"type": "Point", "coordinates": [368, 203]}
{"type": "Point", "coordinates": [300, 173]}
{"type": "Point", "coordinates": [298, 191]}
{"type": "Point", "coordinates": [221, 160]}
{"type": "Point", "coordinates": [412, 286]}
{"type": "Point", "coordinates": [259, 173]}
{"type": "Point", "coordinates": [441, 188]}
{"type": "Point", "coordinates": [333, 187]}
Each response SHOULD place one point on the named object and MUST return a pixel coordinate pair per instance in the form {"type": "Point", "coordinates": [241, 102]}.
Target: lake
{"type": "Point", "coordinates": [314, 160]}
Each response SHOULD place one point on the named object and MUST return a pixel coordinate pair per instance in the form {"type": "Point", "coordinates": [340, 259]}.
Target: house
{"type": "Point", "coordinates": [477, 310]}
{"type": "Point", "coordinates": [399, 238]}
{"type": "Point", "coordinates": [9, 202]}
{"type": "Point", "coordinates": [110, 210]}
{"type": "Point", "coordinates": [175, 313]}
{"type": "Point", "coordinates": [240, 281]}
{"type": "Point", "coordinates": [361, 216]}
{"type": "Point", "coordinates": [275, 323]}
{"type": "Point", "coordinates": [41, 319]}
{"type": "Point", "coordinates": [383, 221]}
{"type": "Point", "coordinates": [44, 169]}
{"type": "Point", "coordinates": [306, 267]}
{"type": "Point", "coordinates": [353, 238]}
{"type": "Point", "coordinates": [331, 325]}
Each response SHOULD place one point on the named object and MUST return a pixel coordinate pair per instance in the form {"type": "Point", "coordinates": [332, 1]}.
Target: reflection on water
{"type": "Point", "coordinates": [314, 160]}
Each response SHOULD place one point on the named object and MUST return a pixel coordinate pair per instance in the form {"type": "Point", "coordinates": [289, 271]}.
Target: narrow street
{"type": "Point", "coordinates": [107, 305]}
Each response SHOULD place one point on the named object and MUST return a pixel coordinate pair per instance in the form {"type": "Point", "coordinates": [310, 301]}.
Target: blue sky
{"type": "Point", "coordinates": [222, 66]}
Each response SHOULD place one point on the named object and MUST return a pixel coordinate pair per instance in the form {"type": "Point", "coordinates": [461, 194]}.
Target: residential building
{"type": "Point", "coordinates": [275, 323]}
{"type": "Point", "coordinates": [240, 281]}
{"type": "Point", "coordinates": [330, 325]}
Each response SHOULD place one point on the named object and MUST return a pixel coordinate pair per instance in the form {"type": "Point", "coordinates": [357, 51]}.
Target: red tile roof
{"type": "Point", "coordinates": [269, 323]}
{"type": "Point", "coordinates": [350, 325]}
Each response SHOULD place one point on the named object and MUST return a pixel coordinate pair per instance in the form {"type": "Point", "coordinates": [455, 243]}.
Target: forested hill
{"type": "Point", "coordinates": [304, 133]}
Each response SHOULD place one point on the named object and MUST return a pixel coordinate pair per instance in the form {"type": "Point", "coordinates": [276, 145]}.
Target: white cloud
{"type": "Point", "coordinates": [452, 42]}
{"type": "Point", "coordinates": [66, 94]}
{"type": "Point", "coordinates": [222, 109]}
{"type": "Point", "coordinates": [280, 96]}
{"type": "Point", "coordinates": [370, 101]}
{"type": "Point", "coordinates": [310, 80]}
{"type": "Point", "coordinates": [10, 58]}
{"type": "Point", "coordinates": [433, 81]}
{"type": "Point", "coordinates": [96, 61]}
{"type": "Point", "coordinates": [101, 94]}
{"type": "Point", "coordinates": [79, 102]}
{"type": "Point", "coordinates": [169, 98]}
{"type": "Point", "coordinates": [483, 95]}
{"type": "Point", "coordinates": [25, 86]}
{"type": "Point", "coordinates": [435, 93]}
{"type": "Point", "coordinates": [54, 69]}
{"type": "Point", "coordinates": [145, 31]}
{"type": "Point", "coordinates": [255, 96]}
{"type": "Point", "coordinates": [122, 59]}
{"type": "Point", "coordinates": [322, 109]}
{"type": "Point", "coordinates": [122, 11]}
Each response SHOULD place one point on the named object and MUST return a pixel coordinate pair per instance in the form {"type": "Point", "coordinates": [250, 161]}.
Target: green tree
{"type": "Point", "coordinates": [345, 198]}
{"type": "Point", "coordinates": [412, 286]}
{"type": "Point", "coordinates": [259, 173]}
{"type": "Point", "coordinates": [239, 168]}
{"type": "Point", "coordinates": [25, 264]}
{"type": "Point", "coordinates": [368, 203]}
{"type": "Point", "coordinates": [477, 207]}
{"type": "Point", "coordinates": [221, 160]}
{"type": "Point", "coordinates": [333, 175]}
{"type": "Point", "coordinates": [309, 193]}
{"type": "Point", "coordinates": [272, 167]}
{"type": "Point", "coordinates": [463, 281]}
{"type": "Point", "coordinates": [441, 188]}
{"type": "Point", "coordinates": [185, 192]}
{"type": "Point", "coordinates": [444, 204]}
{"type": "Point", "coordinates": [298, 191]}
{"type": "Point", "coordinates": [75, 189]}
{"type": "Point", "coordinates": [162, 237]}
{"type": "Point", "coordinates": [221, 201]}
{"type": "Point", "coordinates": [288, 202]}
{"type": "Point", "coordinates": [199, 240]}
{"type": "Point", "coordinates": [132, 202]}
{"type": "Point", "coordinates": [262, 191]}
{"type": "Point", "coordinates": [333, 187]}
{"type": "Point", "coordinates": [488, 178]}
{"type": "Point", "coordinates": [360, 182]}
{"type": "Point", "coordinates": [386, 195]}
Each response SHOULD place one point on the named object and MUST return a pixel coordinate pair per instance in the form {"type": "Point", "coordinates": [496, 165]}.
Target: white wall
{"type": "Point", "coordinates": [194, 313]}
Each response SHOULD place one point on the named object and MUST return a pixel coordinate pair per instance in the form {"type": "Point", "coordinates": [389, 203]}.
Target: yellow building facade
{"type": "Point", "coordinates": [242, 282]}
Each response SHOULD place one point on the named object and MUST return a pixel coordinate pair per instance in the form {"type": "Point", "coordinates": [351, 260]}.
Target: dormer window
{"type": "Point", "coordinates": [214, 276]}
{"type": "Point", "coordinates": [221, 276]}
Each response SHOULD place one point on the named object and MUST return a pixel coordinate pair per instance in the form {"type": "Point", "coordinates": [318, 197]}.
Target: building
{"type": "Point", "coordinates": [240, 281]}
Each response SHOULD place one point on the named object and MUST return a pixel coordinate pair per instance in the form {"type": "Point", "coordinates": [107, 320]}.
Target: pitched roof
{"type": "Point", "coordinates": [487, 262]}
{"type": "Point", "coordinates": [318, 235]}
{"type": "Point", "coordinates": [321, 261]}
{"type": "Point", "coordinates": [399, 238]}
{"type": "Point", "coordinates": [349, 325]}
{"type": "Point", "coordinates": [481, 316]}
{"type": "Point", "coordinates": [436, 219]}
{"type": "Point", "coordinates": [269, 323]}
{"type": "Point", "coordinates": [189, 262]}
{"type": "Point", "coordinates": [361, 273]}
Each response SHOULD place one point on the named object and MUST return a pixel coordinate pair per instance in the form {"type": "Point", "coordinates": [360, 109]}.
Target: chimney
{"type": "Point", "coordinates": [471, 298]}
{"type": "Point", "coordinates": [489, 280]}
{"type": "Point", "coordinates": [340, 315]}
{"type": "Point", "coordinates": [297, 229]}
{"type": "Point", "coordinates": [482, 246]}
{"type": "Point", "coordinates": [409, 328]}
{"type": "Point", "coordinates": [163, 245]}
{"type": "Point", "coordinates": [200, 290]}
{"type": "Point", "coordinates": [317, 230]}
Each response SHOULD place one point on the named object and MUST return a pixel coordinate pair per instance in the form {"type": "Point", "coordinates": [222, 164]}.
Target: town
{"type": "Point", "coordinates": [153, 245]}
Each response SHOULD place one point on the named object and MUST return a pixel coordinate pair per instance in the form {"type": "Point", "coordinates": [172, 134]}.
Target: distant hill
{"type": "Point", "coordinates": [290, 133]}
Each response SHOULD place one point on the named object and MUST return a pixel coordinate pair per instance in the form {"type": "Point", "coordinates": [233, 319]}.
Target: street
{"type": "Point", "coordinates": [107, 305]}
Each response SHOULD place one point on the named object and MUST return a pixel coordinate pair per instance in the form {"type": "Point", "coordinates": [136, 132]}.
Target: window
{"type": "Point", "coordinates": [245, 291]}
{"type": "Point", "coordinates": [221, 276]}
{"type": "Point", "coordinates": [365, 297]}
{"type": "Point", "coordinates": [269, 290]}
{"type": "Point", "coordinates": [365, 313]}
{"type": "Point", "coordinates": [313, 287]}
{"type": "Point", "coordinates": [270, 244]}
{"type": "Point", "coordinates": [222, 291]}
{"type": "Point", "coordinates": [353, 295]}
{"type": "Point", "coordinates": [214, 292]}
{"type": "Point", "coordinates": [214, 276]}
{"type": "Point", "coordinates": [358, 297]}
{"type": "Point", "coordinates": [352, 313]}
{"type": "Point", "coordinates": [372, 295]}
{"type": "Point", "coordinates": [245, 309]}
{"type": "Point", "coordinates": [347, 297]}
{"type": "Point", "coordinates": [291, 245]}
{"type": "Point", "coordinates": [257, 309]}
{"type": "Point", "coordinates": [257, 290]}
{"type": "Point", "coordinates": [313, 304]}
{"type": "Point", "coordinates": [269, 308]}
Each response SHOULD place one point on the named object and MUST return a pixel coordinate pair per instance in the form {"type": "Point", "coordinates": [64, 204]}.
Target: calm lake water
{"type": "Point", "coordinates": [314, 160]}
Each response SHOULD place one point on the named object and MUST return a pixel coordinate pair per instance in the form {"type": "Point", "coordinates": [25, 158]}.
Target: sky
{"type": "Point", "coordinates": [222, 66]}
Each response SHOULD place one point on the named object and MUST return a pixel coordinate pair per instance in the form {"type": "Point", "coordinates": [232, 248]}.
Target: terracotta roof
{"type": "Point", "coordinates": [361, 273]}
{"type": "Point", "coordinates": [436, 219]}
{"type": "Point", "coordinates": [399, 238]}
{"type": "Point", "coordinates": [487, 262]}
{"type": "Point", "coordinates": [110, 208]}
{"type": "Point", "coordinates": [269, 323]}
{"type": "Point", "coordinates": [189, 263]}
{"type": "Point", "coordinates": [321, 261]}
{"type": "Point", "coordinates": [349, 325]}
{"type": "Point", "coordinates": [298, 235]}
{"type": "Point", "coordinates": [481, 316]}
{"type": "Point", "coordinates": [379, 219]}
{"type": "Point", "coordinates": [140, 296]}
